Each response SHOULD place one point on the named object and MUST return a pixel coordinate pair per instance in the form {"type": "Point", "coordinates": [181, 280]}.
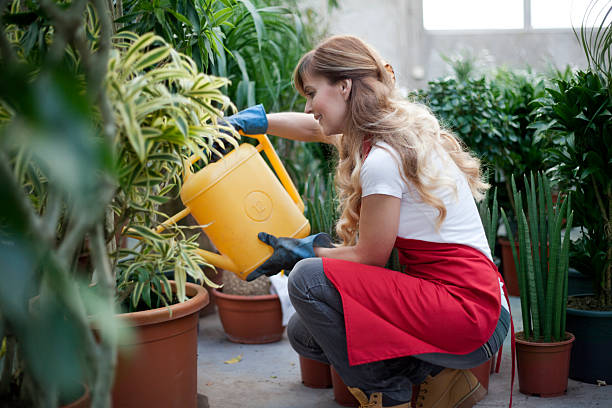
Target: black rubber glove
{"type": "Point", "coordinates": [287, 252]}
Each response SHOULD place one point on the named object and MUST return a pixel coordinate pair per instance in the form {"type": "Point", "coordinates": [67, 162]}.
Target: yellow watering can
{"type": "Point", "coordinates": [237, 197]}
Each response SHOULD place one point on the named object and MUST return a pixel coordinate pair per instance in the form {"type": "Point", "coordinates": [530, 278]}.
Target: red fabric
{"type": "Point", "coordinates": [448, 301]}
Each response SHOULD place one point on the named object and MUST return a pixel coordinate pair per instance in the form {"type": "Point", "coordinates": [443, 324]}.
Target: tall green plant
{"type": "Point", "coordinates": [544, 258]}
{"type": "Point", "coordinates": [165, 111]}
{"type": "Point", "coordinates": [254, 43]}
{"type": "Point", "coordinates": [580, 112]}
{"type": "Point", "coordinates": [596, 40]}
{"type": "Point", "coordinates": [490, 219]}
{"type": "Point", "coordinates": [57, 181]}
{"type": "Point", "coordinates": [321, 203]}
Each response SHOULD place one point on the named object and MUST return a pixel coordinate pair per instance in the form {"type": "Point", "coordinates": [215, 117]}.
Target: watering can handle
{"type": "Point", "coordinates": [279, 168]}
{"type": "Point", "coordinates": [277, 165]}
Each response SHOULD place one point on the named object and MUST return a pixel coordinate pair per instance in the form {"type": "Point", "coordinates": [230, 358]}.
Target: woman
{"type": "Point", "coordinates": [403, 182]}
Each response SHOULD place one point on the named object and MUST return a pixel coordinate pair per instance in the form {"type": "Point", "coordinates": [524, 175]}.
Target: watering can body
{"type": "Point", "coordinates": [238, 196]}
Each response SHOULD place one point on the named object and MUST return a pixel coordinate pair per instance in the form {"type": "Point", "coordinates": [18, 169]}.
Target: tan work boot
{"type": "Point", "coordinates": [375, 400]}
{"type": "Point", "coordinates": [450, 389]}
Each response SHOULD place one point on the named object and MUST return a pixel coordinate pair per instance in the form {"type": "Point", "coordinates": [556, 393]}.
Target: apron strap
{"type": "Point", "coordinates": [512, 344]}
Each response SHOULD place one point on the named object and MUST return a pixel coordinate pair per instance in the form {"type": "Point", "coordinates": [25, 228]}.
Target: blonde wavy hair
{"type": "Point", "coordinates": [377, 113]}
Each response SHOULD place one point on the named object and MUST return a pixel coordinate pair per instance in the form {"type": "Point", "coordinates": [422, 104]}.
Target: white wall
{"type": "Point", "coordinates": [395, 29]}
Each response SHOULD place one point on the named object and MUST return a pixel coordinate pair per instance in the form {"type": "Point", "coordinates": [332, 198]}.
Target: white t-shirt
{"type": "Point", "coordinates": [380, 174]}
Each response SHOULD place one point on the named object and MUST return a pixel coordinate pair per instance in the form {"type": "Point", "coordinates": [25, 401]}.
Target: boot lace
{"type": "Point", "coordinates": [372, 403]}
{"type": "Point", "coordinates": [421, 396]}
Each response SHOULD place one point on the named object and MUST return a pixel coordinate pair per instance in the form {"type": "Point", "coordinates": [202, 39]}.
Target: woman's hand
{"type": "Point", "coordinates": [378, 226]}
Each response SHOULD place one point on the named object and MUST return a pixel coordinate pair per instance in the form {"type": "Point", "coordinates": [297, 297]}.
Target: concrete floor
{"type": "Point", "coordinates": [268, 376]}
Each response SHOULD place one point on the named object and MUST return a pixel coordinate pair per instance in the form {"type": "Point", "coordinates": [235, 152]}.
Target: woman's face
{"type": "Point", "coordinates": [327, 102]}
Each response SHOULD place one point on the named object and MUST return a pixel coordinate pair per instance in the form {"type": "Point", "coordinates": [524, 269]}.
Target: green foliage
{"type": "Point", "coordinates": [191, 27]}
{"type": "Point", "coordinates": [494, 117]}
{"type": "Point", "coordinates": [470, 109]}
{"type": "Point", "coordinates": [596, 40]}
{"type": "Point", "coordinates": [265, 42]}
{"type": "Point", "coordinates": [164, 111]}
{"type": "Point", "coordinates": [490, 219]}
{"type": "Point", "coordinates": [544, 257]}
{"type": "Point", "coordinates": [516, 92]}
{"type": "Point", "coordinates": [579, 114]}
{"type": "Point", "coordinates": [57, 172]}
{"type": "Point", "coordinates": [94, 134]}
{"type": "Point", "coordinates": [321, 203]}
{"type": "Point", "coordinates": [254, 43]}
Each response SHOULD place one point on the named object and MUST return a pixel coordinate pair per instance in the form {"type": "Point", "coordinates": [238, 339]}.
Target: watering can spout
{"type": "Point", "coordinates": [220, 261]}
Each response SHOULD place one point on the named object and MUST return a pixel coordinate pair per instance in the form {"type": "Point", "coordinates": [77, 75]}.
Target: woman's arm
{"type": "Point", "coordinates": [298, 126]}
{"type": "Point", "coordinates": [378, 226]}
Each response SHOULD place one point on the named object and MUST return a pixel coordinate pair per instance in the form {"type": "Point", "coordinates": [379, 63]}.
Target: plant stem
{"type": "Point", "coordinates": [6, 50]}
{"type": "Point", "coordinates": [107, 357]}
{"type": "Point", "coordinates": [25, 206]}
{"type": "Point", "coordinates": [51, 216]}
{"type": "Point", "coordinates": [602, 208]}
{"type": "Point", "coordinates": [7, 367]}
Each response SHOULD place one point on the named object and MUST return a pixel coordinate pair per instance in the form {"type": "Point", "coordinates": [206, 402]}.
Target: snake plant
{"type": "Point", "coordinates": [544, 256]}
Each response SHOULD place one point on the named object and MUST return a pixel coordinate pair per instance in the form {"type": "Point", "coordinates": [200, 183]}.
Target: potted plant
{"type": "Point", "coordinates": [580, 113]}
{"type": "Point", "coordinates": [249, 313]}
{"type": "Point", "coordinates": [543, 347]}
{"type": "Point", "coordinates": [164, 111]}
{"type": "Point", "coordinates": [87, 154]}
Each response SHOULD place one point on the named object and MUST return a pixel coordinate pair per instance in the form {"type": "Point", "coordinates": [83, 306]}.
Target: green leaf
{"type": "Point", "coordinates": [257, 21]}
{"type": "Point", "coordinates": [151, 58]}
{"type": "Point", "coordinates": [145, 232]}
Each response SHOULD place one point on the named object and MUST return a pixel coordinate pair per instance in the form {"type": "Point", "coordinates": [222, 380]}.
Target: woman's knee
{"type": "Point", "coordinates": [304, 274]}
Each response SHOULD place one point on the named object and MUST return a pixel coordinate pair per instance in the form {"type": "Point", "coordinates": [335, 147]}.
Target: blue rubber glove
{"type": "Point", "coordinates": [287, 252]}
{"type": "Point", "coordinates": [252, 121]}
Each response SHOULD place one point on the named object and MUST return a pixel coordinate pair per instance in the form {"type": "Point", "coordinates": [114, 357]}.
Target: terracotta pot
{"type": "Point", "coordinates": [250, 319]}
{"type": "Point", "coordinates": [83, 402]}
{"type": "Point", "coordinates": [159, 367]}
{"type": "Point", "coordinates": [543, 368]}
{"type": "Point", "coordinates": [341, 393]}
{"type": "Point", "coordinates": [508, 267]}
{"type": "Point", "coordinates": [482, 373]}
{"type": "Point", "coordinates": [314, 373]}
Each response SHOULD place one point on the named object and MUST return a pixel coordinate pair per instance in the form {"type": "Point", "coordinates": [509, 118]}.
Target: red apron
{"type": "Point", "coordinates": [448, 301]}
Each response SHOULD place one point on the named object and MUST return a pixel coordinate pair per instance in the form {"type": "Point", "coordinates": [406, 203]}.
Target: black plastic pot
{"type": "Point", "coordinates": [578, 283]}
{"type": "Point", "coordinates": [591, 358]}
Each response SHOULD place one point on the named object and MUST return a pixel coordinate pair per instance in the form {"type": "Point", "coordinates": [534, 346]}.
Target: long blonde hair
{"type": "Point", "coordinates": [377, 113]}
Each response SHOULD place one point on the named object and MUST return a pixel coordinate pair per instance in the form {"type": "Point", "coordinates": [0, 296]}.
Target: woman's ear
{"type": "Point", "coordinates": [345, 88]}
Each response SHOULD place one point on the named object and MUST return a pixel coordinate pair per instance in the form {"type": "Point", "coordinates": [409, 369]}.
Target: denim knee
{"type": "Point", "coordinates": [301, 276]}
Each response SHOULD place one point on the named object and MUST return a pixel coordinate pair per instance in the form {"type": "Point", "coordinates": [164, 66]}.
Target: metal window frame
{"type": "Point", "coordinates": [527, 26]}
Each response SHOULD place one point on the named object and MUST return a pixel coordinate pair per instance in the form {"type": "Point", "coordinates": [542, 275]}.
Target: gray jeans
{"type": "Point", "coordinates": [317, 331]}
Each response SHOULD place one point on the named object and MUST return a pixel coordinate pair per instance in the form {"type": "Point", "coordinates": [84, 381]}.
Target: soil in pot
{"type": "Point", "coordinates": [248, 312]}
{"type": "Point", "coordinates": [543, 368]}
{"type": "Point", "coordinates": [250, 319]}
